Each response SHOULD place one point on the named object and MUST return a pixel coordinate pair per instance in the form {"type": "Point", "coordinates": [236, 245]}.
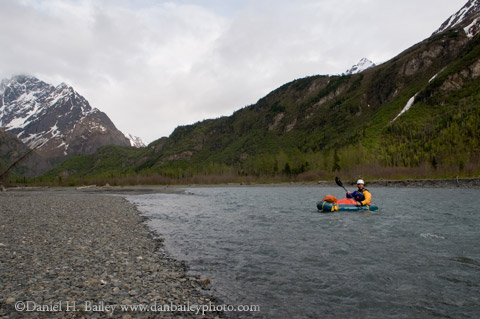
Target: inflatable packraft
{"type": "Point", "coordinates": [328, 205]}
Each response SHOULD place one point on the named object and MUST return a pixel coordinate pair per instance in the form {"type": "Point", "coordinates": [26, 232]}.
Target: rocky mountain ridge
{"type": "Point", "coordinates": [468, 18]}
{"type": "Point", "coordinates": [57, 121]}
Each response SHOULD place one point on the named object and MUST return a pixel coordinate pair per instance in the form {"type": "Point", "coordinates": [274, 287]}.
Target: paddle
{"type": "Point", "coordinates": [339, 183]}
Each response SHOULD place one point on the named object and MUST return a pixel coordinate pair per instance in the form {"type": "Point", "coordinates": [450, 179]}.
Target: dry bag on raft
{"type": "Point", "coordinates": [330, 199]}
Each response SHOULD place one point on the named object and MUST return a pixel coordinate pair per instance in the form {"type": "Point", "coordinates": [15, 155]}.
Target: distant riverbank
{"type": "Point", "coordinates": [473, 182]}
{"type": "Point", "coordinates": [434, 183]}
{"type": "Point", "coordinates": [429, 183]}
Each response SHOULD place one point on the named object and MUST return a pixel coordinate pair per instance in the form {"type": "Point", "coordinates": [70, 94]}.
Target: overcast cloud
{"type": "Point", "coordinates": [154, 65]}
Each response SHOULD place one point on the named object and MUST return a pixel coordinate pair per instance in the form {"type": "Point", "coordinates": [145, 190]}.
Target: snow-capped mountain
{"type": "Point", "coordinates": [135, 141]}
{"type": "Point", "coordinates": [361, 66]}
{"type": "Point", "coordinates": [57, 120]}
{"type": "Point", "coordinates": [468, 17]}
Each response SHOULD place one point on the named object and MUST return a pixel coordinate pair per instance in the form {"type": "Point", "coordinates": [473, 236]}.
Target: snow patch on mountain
{"type": "Point", "coordinates": [135, 141]}
{"type": "Point", "coordinates": [35, 140]}
{"type": "Point", "coordinates": [406, 107]}
{"type": "Point", "coordinates": [471, 10]}
{"type": "Point", "coordinates": [472, 29]}
{"type": "Point", "coordinates": [361, 66]}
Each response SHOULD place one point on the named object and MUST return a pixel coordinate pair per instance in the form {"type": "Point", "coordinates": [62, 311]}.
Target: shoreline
{"type": "Point", "coordinates": [472, 182]}
{"type": "Point", "coordinates": [430, 183]}
{"type": "Point", "coordinates": [468, 182]}
{"type": "Point", "coordinates": [72, 254]}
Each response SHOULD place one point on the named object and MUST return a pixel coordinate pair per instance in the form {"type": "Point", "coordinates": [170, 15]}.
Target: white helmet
{"type": "Point", "coordinates": [360, 181]}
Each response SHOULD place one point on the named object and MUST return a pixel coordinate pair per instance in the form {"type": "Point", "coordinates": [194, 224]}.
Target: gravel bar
{"type": "Point", "coordinates": [70, 254]}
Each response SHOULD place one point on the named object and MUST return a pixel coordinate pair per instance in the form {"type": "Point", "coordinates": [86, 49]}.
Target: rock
{"type": "Point", "coordinates": [10, 300]}
{"type": "Point", "coordinates": [204, 282]}
{"type": "Point", "coordinates": [126, 301]}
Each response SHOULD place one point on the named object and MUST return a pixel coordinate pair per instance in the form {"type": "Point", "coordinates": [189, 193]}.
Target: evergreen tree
{"type": "Point", "coordinates": [336, 161]}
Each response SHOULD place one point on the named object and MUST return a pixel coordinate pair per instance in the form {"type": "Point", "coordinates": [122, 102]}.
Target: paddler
{"type": "Point", "coordinates": [362, 196]}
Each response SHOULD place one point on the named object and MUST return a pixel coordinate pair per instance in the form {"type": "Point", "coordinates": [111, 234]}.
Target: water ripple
{"type": "Point", "coordinates": [417, 257]}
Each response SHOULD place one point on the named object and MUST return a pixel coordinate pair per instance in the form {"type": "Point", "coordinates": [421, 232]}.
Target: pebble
{"type": "Point", "coordinates": [126, 302]}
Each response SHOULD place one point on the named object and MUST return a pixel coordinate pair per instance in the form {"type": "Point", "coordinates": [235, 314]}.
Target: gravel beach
{"type": "Point", "coordinates": [71, 254]}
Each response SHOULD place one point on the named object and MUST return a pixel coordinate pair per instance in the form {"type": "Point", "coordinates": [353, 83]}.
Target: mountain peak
{"type": "Point", "coordinates": [17, 80]}
{"type": "Point", "coordinates": [135, 141]}
{"type": "Point", "coordinates": [361, 66]}
{"type": "Point", "coordinates": [22, 78]}
{"type": "Point", "coordinates": [468, 17]}
{"type": "Point", "coordinates": [57, 118]}
{"type": "Point", "coordinates": [65, 90]}
{"type": "Point", "coordinates": [63, 86]}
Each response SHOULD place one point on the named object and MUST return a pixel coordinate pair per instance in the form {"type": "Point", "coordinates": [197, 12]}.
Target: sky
{"type": "Point", "coordinates": [152, 65]}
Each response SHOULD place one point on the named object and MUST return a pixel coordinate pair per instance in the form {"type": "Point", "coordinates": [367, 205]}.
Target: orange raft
{"type": "Point", "coordinates": [330, 205]}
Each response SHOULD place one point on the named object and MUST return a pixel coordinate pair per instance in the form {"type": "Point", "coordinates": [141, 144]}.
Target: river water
{"type": "Point", "coordinates": [417, 257]}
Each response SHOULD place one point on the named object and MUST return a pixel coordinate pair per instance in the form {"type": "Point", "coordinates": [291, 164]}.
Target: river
{"type": "Point", "coordinates": [417, 257]}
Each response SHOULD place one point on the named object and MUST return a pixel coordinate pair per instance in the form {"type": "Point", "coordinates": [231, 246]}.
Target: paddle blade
{"type": "Point", "coordinates": [338, 181]}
